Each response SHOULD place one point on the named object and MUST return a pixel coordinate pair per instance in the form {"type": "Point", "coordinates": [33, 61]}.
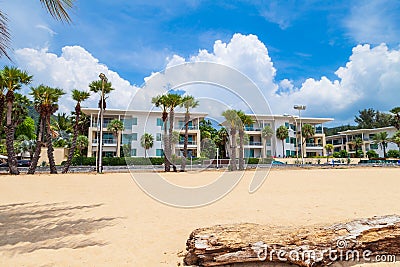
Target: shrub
{"type": "Point", "coordinates": [113, 161]}
{"type": "Point", "coordinates": [393, 154]}
{"type": "Point", "coordinates": [372, 154]}
{"type": "Point", "coordinates": [336, 154]}
{"type": "Point", "coordinates": [343, 153]}
{"type": "Point", "coordinates": [253, 160]}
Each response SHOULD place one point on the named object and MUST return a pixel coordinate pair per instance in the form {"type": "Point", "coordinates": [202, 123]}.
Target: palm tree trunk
{"type": "Point", "coordinates": [171, 130]}
{"type": "Point", "coordinates": [233, 151]}
{"type": "Point", "coordinates": [283, 149]}
{"type": "Point", "coordinates": [73, 145]}
{"type": "Point", "coordinates": [12, 161]}
{"type": "Point", "coordinates": [50, 150]}
{"type": "Point", "coordinates": [167, 164]}
{"type": "Point", "coordinates": [38, 148]}
{"type": "Point", "coordinates": [185, 142]}
{"type": "Point", "coordinates": [241, 150]}
{"type": "Point", "coordinates": [2, 103]}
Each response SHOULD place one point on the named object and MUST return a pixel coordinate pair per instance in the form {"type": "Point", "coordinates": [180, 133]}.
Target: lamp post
{"type": "Point", "coordinates": [100, 139]}
{"type": "Point", "coordinates": [297, 142]}
{"type": "Point", "coordinates": [300, 108]}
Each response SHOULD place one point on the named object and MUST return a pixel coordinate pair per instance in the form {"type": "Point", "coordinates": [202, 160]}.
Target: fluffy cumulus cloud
{"type": "Point", "coordinates": [75, 68]}
{"type": "Point", "coordinates": [370, 78]}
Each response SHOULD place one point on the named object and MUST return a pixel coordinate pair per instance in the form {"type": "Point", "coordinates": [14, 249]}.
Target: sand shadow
{"type": "Point", "coordinates": [26, 227]}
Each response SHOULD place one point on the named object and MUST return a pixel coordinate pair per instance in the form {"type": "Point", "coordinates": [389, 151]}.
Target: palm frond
{"type": "Point", "coordinates": [5, 37]}
{"type": "Point", "coordinates": [58, 9]}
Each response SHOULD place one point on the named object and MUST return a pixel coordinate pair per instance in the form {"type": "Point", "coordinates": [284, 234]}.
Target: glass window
{"type": "Point", "coordinates": [134, 121]}
{"type": "Point", "coordinates": [373, 146]}
{"type": "Point", "coordinates": [269, 153]}
{"type": "Point", "coordinates": [134, 136]}
{"type": "Point", "coordinates": [287, 153]}
{"type": "Point", "coordinates": [159, 152]}
{"type": "Point", "coordinates": [269, 142]}
{"type": "Point", "coordinates": [126, 138]}
{"type": "Point", "coordinates": [158, 137]}
{"type": "Point", "coordinates": [159, 122]}
{"type": "Point", "coordinates": [286, 124]}
{"type": "Point", "coordinates": [133, 152]}
{"type": "Point", "coordinates": [287, 140]}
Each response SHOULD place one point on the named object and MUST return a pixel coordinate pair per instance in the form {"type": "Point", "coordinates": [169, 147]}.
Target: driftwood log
{"type": "Point", "coordinates": [358, 240]}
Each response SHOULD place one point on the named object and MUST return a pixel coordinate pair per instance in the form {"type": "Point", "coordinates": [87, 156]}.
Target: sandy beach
{"type": "Point", "coordinates": [107, 220]}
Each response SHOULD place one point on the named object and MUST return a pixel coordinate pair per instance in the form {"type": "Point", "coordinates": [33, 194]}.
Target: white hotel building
{"type": "Point", "coordinates": [138, 122]}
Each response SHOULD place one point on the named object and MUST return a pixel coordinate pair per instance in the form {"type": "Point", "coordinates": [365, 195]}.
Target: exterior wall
{"type": "Point", "coordinates": [136, 124]}
{"type": "Point", "coordinates": [60, 155]}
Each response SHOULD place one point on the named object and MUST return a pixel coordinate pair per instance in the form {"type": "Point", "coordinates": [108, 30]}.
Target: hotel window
{"type": "Point", "coordinates": [126, 138]}
{"type": "Point", "coordinates": [287, 125]}
{"type": "Point", "coordinates": [134, 121]}
{"type": "Point", "coordinates": [287, 140]}
{"type": "Point", "coordinates": [134, 136]}
{"type": "Point", "coordinates": [127, 123]}
{"type": "Point", "coordinates": [269, 153]}
{"type": "Point", "coordinates": [159, 152]}
{"type": "Point", "coordinates": [158, 137]}
{"type": "Point", "coordinates": [373, 146]}
{"type": "Point", "coordinates": [269, 142]}
{"type": "Point", "coordinates": [133, 152]}
{"type": "Point", "coordinates": [159, 122]}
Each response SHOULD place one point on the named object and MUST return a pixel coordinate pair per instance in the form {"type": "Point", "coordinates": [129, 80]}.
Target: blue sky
{"type": "Point", "coordinates": [304, 41]}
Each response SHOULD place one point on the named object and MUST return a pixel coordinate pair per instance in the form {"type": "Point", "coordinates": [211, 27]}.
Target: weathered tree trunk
{"type": "Point", "coordinates": [357, 240]}
{"type": "Point", "coordinates": [2, 103]}
{"type": "Point", "coordinates": [170, 136]}
{"type": "Point", "coordinates": [167, 164]}
{"type": "Point", "coordinates": [38, 148]}
{"type": "Point", "coordinates": [10, 128]}
{"type": "Point", "coordinates": [50, 150]}
{"type": "Point", "coordinates": [73, 145]}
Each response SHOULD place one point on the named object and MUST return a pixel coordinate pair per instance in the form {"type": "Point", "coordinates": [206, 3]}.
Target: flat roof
{"type": "Point", "coordinates": [123, 112]}
{"type": "Point", "coordinates": [367, 130]}
{"type": "Point", "coordinates": [292, 118]}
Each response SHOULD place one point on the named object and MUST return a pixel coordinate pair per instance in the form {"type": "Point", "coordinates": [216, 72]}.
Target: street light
{"type": "Point", "coordinates": [300, 108]}
{"type": "Point", "coordinates": [103, 78]}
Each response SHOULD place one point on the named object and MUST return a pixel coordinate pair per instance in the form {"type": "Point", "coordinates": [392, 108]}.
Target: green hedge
{"type": "Point", "coordinates": [108, 161]}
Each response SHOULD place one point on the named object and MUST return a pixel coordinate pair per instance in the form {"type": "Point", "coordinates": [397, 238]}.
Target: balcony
{"type": "Point", "coordinates": [252, 129]}
{"type": "Point", "coordinates": [252, 143]}
{"type": "Point", "coordinates": [105, 142]}
{"type": "Point", "coordinates": [190, 127]}
{"type": "Point", "coordinates": [313, 145]}
{"type": "Point", "coordinates": [190, 143]}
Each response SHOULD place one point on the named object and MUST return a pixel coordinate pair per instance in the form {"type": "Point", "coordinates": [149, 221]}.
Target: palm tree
{"type": "Point", "coordinates": [232, 121]}
{"type": "Point", "coordinates": [282, 133]}
{"type": "Point", "coordinates": [223, 141]}
{"type": "Point", "coordinates": [82, 143]}
{"type": "Point", "coordinates": [146, 141]}
{"type": "Point", "coordinates": [46, 103]}
{"type": "Point", "coordinates": [61, 125]}
{"type": "Point", "coordinates": [266, 133]}
{"type": "Point", "coordinates": [78, 96]}
{"type": "Point", "coordinates": [396, 139]}
{"type": "Point", "coordinates": [188, 102]}
{"type": "Point", "coordinates": [116, 126]}
{"type": "Point", "coordinates": [396, 117]}
{"type": "Point", "coordinates": [329, 149]}
{"type": "Point", "coordinates": [382, 140]}
{"type": "Point", "coordinates": [173, 101]}
{"type": "Point", "coordinates": [358, 144]}
{"type": "Point", "coordinates": [12, 79]}
{"type": "Point", "coordinates": [161, 102]}
{"type": "Point", "coordinates": [58, 9]}
{"type": "Point", "coordinates": [245, 120]}
{"type": "Point", "coordinates": [307, 132]}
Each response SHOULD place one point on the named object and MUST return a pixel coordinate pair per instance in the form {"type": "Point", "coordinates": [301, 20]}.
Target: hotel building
{"type": "Point", "coordinates": [345, 140]}
{"type": "Point", "coordinates": [138, 122]}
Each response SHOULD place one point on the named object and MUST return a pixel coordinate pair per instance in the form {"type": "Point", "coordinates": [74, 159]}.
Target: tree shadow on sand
{"type": "Point", "coordinates": [26, 227]}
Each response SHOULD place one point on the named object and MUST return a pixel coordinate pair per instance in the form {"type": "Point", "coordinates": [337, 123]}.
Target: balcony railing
{"type": "Point", "coordinates": [189, 142]}
{"type": "Point", "coordinates": [313, 145]}
{"type": "Point", "coordinates": [252, 143]}
{"type": "Point", "coordinates": [106, 141]}
{"type": "Point", "coordinates": [190, 127]}
{"type": "Point", "coordinates": [252, 129]}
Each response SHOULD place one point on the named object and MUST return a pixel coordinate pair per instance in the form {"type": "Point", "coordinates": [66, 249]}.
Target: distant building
{"type": "Point", "coordinates": [345, 140]}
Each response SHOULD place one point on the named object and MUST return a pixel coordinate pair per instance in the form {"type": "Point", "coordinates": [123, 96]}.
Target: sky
{"type": "Point", "coordinates": [335, 57]}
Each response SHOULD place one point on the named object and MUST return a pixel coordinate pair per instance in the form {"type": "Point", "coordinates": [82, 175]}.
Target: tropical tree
{"type": "Point", "coordinates": [188, 102]}
{"type": "Point", "coordinates": [46, 103]}
{"type": "Point", "coordinates": [116, 126]}
{"type": "Point", "coordinates": [173, 101]}
{"type": "Point", "coordinates": [12, 79]}
{"type": "Point", "coordinates": [82, 143]}
{"type": "Point", "coordinates": [146, 141]}
{"type": "Point", "coordinates": [58, 9]}
{"type": "Point", "coordinates": [396, 117]}
{"type": "Point", "coordinates": [282, 133]}
{"type": "Point", "coordinates": [78, 96]}
{"type": "Point", "coordinates": [396, 139]}
{"type": "Point", "coordinates": [27, 127]}
{"type": "Point", "coordinates": [266, 133]}
{"type": "Point", "coordinates": [358, 142]}
{"type": "Point", "coordinates": [371, 154]}
{"type": "Point", "coordinates": [223, 142]}
{"type": "Point", "coordinates": [161, 102]}
{"type": "Point", "coordinates": [307, 132]}
{"type": "Point", "coordinates": [245, 121]}
{"type": "Point", "coordinates": [61, 125]}
{"type": "Point", "coordinates": [329, 149]}
{"type": "Point", "coordinates": [382, 140]}
{"type": "Point", "coordinates": [232, 123]}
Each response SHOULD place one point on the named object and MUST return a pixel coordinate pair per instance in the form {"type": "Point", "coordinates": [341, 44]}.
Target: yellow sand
{"type": "Point", "coordinates": [106, 220]}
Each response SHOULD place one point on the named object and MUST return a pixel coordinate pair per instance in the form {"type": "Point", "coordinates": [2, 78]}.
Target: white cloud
{"type": "Point", "coordinates": [374, 22]}
{"type": "Point", "coordinates": [75, 68]}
